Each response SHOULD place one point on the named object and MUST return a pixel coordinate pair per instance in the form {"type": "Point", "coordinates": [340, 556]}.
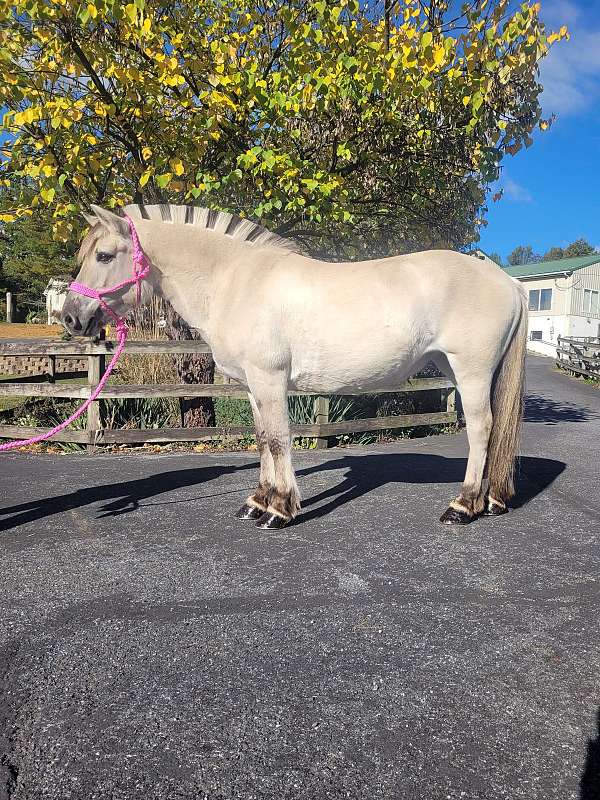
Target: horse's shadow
{"type": "Point", "coordinates": [120, 497]}
{"type": "Point", "coordinates": [362, 474]}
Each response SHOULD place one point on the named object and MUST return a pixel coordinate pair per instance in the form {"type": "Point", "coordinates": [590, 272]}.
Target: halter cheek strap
{"type": "Point", "coordinates": [141, 268]}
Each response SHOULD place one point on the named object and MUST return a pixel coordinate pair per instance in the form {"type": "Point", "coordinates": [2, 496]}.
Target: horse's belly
{"type": "Point", "coordinates": [353, 372]}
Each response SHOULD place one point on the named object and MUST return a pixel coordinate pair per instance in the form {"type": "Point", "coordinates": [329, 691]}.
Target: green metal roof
{"type": "Point", "coordinates": [552, 267]}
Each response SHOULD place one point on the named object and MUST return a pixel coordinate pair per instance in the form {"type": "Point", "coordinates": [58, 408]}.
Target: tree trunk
{"type": "Point", "coordinates": [197, 412]}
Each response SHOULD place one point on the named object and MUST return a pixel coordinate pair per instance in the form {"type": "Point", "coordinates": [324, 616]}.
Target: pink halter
{"type": "Point", "coordinates": [141, 268]}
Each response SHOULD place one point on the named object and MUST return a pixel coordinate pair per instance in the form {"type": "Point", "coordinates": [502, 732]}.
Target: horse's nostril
{"type": "Point", "coordinates": [72, 322]}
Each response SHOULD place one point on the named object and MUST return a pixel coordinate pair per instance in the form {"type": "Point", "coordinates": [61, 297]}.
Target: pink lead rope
{"type": "Point", "coordinates": [141, 268]}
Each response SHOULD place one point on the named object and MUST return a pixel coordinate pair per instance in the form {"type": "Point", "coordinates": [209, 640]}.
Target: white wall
{"type": "Point", "coordinates": [551, 327]}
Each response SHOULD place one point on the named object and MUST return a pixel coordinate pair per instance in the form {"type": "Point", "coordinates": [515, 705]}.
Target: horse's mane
{"type": "Point", "coordinates": [220, 221]}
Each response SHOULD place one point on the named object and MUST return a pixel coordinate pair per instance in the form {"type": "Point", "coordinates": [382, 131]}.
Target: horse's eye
{"type": "Point", "coordinates": [104, 258]}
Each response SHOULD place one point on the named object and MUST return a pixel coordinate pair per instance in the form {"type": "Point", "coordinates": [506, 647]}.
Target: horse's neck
{"type": "Point", "coordinates": [186, 264]}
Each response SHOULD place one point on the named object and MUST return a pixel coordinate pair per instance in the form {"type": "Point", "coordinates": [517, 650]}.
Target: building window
{"type": "Point", "coordinates": [591, 302]}
{"type": "Point", "coordinates": [536, 336]}
{"type": "Point", "coordinates": [540, 299]}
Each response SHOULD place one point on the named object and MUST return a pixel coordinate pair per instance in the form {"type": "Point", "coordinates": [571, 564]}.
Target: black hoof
{"type": "Point", "coordinates": [494, 510]}
{"type": "Point", "coordinates": [452, 516]}
{"type": "Point", "coordinates": [249, 512]}
{"type": "Point", "coordinates": [272, 521]}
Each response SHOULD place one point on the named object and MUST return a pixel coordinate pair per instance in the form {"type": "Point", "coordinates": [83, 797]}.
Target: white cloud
{"type": "Point", "coordinates": [514, 191]}
{"type": "Point", "coordinates": [571, 72]}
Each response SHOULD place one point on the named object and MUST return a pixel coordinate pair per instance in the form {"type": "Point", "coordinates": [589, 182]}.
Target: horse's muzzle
{"type": "Point", "coordinates": [82, 323]}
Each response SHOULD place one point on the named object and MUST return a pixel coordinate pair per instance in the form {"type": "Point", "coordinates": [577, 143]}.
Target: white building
{"type": "Point", "coordinates": [55, 294]}
{"type": "Point", "coordinates": [564, 300]}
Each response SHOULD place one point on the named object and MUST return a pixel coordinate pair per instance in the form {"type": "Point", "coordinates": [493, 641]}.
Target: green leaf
{"type": "Point", "coordinates": [163, 180]}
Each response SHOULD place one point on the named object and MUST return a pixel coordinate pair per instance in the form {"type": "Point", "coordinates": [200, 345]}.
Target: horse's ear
{"type": "Point", "coordinates": [111, 221]}
{"type": "Point", "coordinates": [90, 219]}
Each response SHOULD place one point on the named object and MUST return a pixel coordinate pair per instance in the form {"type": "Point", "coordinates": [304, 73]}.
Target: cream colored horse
{"type": "Point", "coordinates": [277, 320]}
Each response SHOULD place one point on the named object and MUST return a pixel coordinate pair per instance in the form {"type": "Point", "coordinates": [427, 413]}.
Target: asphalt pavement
{"type": "Point", "coordinates": [152, 646]}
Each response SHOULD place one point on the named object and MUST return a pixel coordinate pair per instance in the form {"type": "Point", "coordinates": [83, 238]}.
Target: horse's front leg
{"type": "Point", "coordinates": [280, 495]}
{"type": "Point", "coordinates": [256, 505]}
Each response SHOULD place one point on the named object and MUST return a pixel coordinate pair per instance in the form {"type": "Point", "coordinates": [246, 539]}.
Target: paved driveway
{"type": "Point", "coordinates": [151, 646]}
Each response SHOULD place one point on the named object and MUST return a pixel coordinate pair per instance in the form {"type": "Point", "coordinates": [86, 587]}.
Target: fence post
{"type": "Point", "coordinates": [321, 412]}
{"type": "Point", "coordinates": [9, 307]}
{"type": "Point", "coordinates": [96, 366]}
{"type": "Point", "coordinates": [51, 369]}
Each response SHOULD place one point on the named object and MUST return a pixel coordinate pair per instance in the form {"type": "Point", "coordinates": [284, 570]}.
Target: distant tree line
{"type": "Point", "coordinates": [524, 254]}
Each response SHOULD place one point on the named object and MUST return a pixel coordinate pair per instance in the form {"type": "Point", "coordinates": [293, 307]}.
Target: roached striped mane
{"type": "Point", "coordinates": [219, 221]}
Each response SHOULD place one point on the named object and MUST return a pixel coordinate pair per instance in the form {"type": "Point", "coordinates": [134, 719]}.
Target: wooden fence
{"type": "Point", "coordinates": [94, 434]}
{"type": "Point", "coordinates": [579, 354]}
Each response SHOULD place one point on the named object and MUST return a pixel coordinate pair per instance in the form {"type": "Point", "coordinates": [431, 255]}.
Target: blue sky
{"type": "Point", "coordinates": [552, 190]}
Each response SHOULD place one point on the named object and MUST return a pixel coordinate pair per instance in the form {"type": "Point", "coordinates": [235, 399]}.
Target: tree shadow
{"type": "Point", "coordinates": [589, 786]}
{"type": "Point", "coordinates": [364, 474]}
{"type": "Point", "coordinates": [551, 412]}
{"type": "Point", "coordinates": [121, 497]}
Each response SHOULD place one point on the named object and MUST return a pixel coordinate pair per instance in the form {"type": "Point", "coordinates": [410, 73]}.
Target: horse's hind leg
{"type": "Point", "coordinates": [256, 505]}
{"type": "Point", "coordinates": [475, 395]}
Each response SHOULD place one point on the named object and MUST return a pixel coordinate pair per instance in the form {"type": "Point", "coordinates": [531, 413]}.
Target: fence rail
{"type": "Point", "coordinates": [97, 352]}
{"type": "Point", "coordinates": [579, 355]}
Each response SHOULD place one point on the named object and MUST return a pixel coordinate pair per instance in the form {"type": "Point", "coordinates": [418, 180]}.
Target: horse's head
{"type": "Point", "coordinates": [106, 259]}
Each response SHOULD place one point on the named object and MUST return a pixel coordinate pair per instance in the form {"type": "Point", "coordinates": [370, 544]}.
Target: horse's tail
{"type": "Point", "coordinates": [507, 410]}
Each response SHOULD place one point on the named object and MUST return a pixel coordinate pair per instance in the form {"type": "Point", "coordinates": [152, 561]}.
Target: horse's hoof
{"type": "Point", "coordinates": [494, 510]}
{"type": "Point", "coordinates": [249, 512]}
{"type": "Point", "coordinates": [452, 516]}
{"type": "Point", "coordinates": [272, 521]}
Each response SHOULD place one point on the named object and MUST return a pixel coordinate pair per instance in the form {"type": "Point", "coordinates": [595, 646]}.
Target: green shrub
{"type": "Point", "coordinates": [231, 412]}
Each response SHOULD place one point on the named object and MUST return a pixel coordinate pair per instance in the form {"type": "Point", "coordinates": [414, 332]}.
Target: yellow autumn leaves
{"type": "Point", "coordinates": [290, 110]}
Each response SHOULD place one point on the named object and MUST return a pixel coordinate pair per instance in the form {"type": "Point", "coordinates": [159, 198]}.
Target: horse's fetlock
{"type": "Point", "coordinates": [284, 503]}
{"type": "Point", "coordinates": [261, 496]}
{"type": "Point", "coordinates": [472, 501]}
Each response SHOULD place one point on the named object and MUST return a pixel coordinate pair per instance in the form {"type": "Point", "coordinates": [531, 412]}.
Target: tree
{"type": "Point", "coordinates": [523, 254]}
{"type": "Point", "coordinates": [30, 256]}
{"type": "Point", "coordinates": [554, 254]}
{"type": "Point", "coordinates": [352, 130]}
{"type": "Point", "coordinates": [355, 132]}
{"type": "Point", "coordinates": [497, 258]}
{"type": "Point", "coordinates": [579, 248]}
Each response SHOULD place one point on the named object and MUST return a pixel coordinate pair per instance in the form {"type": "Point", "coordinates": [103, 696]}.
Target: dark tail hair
{"type": "Point", "coordinates": [507, 411]}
